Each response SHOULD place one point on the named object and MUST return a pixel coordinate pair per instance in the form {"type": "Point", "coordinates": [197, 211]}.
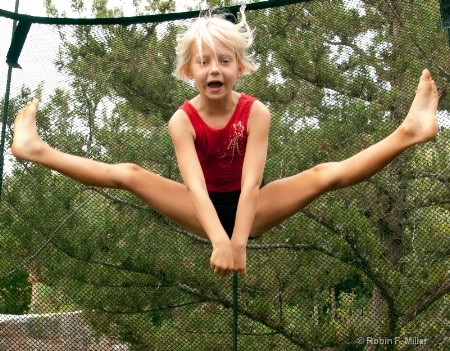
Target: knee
{"type": "Point", "coordinates": [126, 174]}
{"type": "Point", "coordinates": [327, 175]}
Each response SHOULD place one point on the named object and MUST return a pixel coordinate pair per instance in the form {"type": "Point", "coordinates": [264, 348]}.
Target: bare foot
{"type": "Point", "coordinates": [27, 143]}
{"type": "Point", "coordinates": [420, 123]}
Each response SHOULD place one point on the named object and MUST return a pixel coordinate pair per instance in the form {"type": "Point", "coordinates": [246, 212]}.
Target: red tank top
{"type": "Point", "coordinates": [221, 151]}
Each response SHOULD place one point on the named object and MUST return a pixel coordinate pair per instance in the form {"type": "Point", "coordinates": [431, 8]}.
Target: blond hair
{"type": "Point", "coordinates": [237, 36]}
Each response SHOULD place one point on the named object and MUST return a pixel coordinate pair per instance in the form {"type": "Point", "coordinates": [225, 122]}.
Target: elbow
{"type": "Point", "coordinates": [251, 186]}
{"type": "Point", "coordinates": [194, 189]}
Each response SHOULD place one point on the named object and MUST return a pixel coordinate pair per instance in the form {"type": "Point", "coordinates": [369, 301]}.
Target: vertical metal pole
{"type": "Point", "coordinates": [5, 112]}
{"type": "Point", "coordinates": [235, 312]}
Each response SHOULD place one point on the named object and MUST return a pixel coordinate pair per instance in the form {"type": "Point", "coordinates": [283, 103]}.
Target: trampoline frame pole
{"type": "Point", "coordinates": [5, 111]}
{"type": "Point", "coordinates": [235, 312]}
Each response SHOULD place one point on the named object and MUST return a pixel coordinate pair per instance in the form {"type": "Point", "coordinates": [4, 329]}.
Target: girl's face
{"type": "Point", "coordinates": [214, 74]}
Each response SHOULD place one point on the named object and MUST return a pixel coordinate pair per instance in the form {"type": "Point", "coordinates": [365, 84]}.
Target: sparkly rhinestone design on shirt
{"type": "Point", "coordinates": [236, 144]}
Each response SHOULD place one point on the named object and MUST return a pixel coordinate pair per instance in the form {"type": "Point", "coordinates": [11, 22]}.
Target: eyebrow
{"type": "Point", "coordinates": [208, 56]}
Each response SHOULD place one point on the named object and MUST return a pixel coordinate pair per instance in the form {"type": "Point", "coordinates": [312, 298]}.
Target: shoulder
{"type": "Point", "coordinates": [259, 115]}
{"type": "Point", "coordinates": [259, 108]}
{"type": "Point", "coordinates": [180, 124]}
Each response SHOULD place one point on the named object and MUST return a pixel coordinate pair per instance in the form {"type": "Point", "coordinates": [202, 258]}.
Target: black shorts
{"type": "Point", "coordinates": [226, 207]}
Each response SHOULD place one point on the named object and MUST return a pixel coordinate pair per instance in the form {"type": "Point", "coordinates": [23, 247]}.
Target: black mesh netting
{"type": "Point", "coordinates": [365, 268]}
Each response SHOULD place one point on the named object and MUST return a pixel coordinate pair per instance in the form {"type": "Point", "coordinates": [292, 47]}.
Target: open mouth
{"type": "Point", "coordinates": [215, 84]}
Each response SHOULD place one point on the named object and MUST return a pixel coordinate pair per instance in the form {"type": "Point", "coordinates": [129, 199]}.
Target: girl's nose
{"type": "Point", "coordinates": [214, 67]}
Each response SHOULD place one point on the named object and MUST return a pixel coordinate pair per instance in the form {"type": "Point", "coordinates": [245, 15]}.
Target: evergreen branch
{"type": "Point", "coordinates": [266, 321]}
{"type": "Point", "coordinates": [436, 176]}
{"type": "Point", "coordinates": [48, 240]}
{"type": "Point", "coordinates": [272, 324]}
{"type": "Point", "coordinates": [205, 297]}
{"type": "Point", "coordinates": [423, 53]}
{"type": "Point", "coordinates": [301, 247]}
{"type": "Point", "coordinates": [144, 311]}
{"type": "Point", "coordinates": [425, 302]}
{"type": "Point", "coordinates": [154, 213]}
{"type": "Point", "coordinates": [122, 285]}
{"type": "Point", "coordinates": [359, 262]}
{"type": "Point", "coordinates": [430, 203]}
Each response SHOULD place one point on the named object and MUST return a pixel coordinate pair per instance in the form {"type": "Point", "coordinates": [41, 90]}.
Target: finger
{"type": "Point", "coordinates": [223, 273]}
{"type": "Point", "coordinates": [226, 274]}
{"type": "Point", "coordinates": [240, 271]}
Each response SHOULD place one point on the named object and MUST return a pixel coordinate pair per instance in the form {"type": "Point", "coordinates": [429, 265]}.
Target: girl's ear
{"type": "Point", "coordinates": [187, 72]}
{"type": "Point", "coordinates": [240, 70]}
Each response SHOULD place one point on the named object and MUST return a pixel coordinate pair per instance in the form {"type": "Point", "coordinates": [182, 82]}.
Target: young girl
{"type": "Point", "coordinates": [220, 139]}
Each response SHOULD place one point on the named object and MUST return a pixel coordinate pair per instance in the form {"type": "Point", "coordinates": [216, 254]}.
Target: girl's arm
{"type": "Point", "coordinates": [183, 136]}
{"type": "Point", "coordinates": [252, 173]}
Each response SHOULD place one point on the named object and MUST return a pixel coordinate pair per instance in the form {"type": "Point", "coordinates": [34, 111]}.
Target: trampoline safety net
{"type": "Point", "coordinates": [362, 268]}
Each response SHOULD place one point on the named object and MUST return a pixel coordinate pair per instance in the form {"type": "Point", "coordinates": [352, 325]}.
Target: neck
{"type": "Point", "coordinates": [217, 107]}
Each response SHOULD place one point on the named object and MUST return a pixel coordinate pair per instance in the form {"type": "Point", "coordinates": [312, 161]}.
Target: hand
{"type": "Point", "coordinates": [240, 259]}
{"type": "Point", "coordinates": [222, 260]}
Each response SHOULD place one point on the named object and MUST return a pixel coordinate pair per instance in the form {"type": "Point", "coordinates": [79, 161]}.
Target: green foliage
{"type": "Point", "coordinates": [50, 300]}
{"type": "Point", "coordinates": [368, 261]}
{"type": "Point", "coordinates": [15, 293]}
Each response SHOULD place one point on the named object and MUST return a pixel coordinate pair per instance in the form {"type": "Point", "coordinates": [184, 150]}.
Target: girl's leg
{"type": "Point", "coordinates": [163, 195]}
{"type": "Point", "coordinates": [282, 198]}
